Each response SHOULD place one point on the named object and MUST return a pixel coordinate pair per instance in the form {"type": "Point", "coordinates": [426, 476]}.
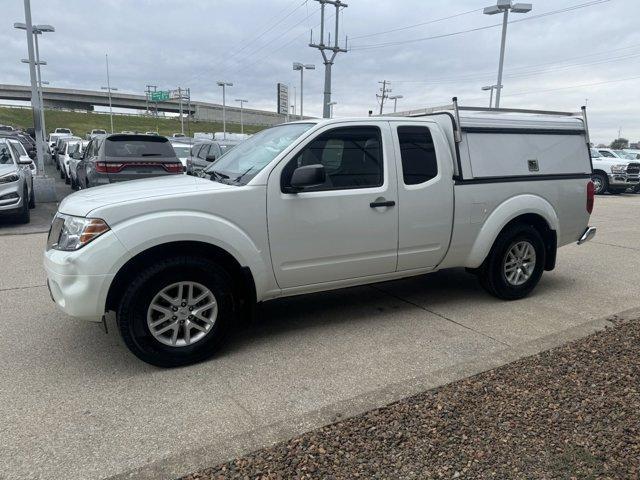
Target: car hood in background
{"type": "Point", "coordinates": [4, 169]}
{"type": "Point", "coordinates": [84, 201]}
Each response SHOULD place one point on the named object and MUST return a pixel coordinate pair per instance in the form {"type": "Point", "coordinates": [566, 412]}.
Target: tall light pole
{"type": "Point", "coordinates": [36, 102]}
{"type": "Point", "coordinates": [302, 67]}
{"type": "Point", "coordinates": [38, 30]}
{"type": "Point", "coordinates": [224, 86]}
{"type": "Point", "coordinates": [242, 102]}
{"type": "Point", "coordinates": [331, 104]}
{"type": "Point", "coordinates": [490, 88]}
{"type": "Point", "coordinates": [328, 60]}
{"type": "Point", "coordinates": [109, 89]}
{"type": "Point", "coordinates": [504, 6]}
{"type": "Point", "coordinates": [395, 101]}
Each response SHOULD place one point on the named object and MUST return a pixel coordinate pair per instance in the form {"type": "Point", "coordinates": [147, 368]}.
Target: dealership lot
{"type": "Point", "coordinates": [77, 404]}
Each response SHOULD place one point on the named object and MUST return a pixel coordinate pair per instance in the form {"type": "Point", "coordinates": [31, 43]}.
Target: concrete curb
{"type": "Point", "coordinates": [227, 448]}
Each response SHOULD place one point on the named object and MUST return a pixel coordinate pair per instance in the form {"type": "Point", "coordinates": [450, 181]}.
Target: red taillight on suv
{"type": "Point", "coordinates": [590, 196]}
{"type": "Point", "coordinates": [173, 167]}
{"type": "Point", "coordinates": [104, 167]}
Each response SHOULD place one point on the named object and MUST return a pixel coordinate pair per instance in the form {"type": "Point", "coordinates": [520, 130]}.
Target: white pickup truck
{"type": "Point", "coordinates": [318, 205]}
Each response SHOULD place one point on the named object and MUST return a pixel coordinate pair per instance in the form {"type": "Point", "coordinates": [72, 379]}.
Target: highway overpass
{"type": "Point", "coordinates": [87, 99]}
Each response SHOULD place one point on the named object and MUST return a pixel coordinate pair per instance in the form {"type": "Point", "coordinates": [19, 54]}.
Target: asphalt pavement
{"type": "Point", "coordinates": [75, 404]}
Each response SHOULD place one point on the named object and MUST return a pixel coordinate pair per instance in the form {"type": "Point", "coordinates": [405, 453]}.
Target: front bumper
{"type": "Point", "coordinates": [79, 281]}
{"type": "Point", "coordinates": [623, 179]}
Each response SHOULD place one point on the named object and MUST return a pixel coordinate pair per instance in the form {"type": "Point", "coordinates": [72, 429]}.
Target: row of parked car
{"type": "Point", "coordinates": [107, 158]}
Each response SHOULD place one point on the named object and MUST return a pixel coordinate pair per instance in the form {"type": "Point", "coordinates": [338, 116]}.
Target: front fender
{"type": "Point", "coordinates": [501, 216]}
{"type": "Point", "coordinates": [141, 233]}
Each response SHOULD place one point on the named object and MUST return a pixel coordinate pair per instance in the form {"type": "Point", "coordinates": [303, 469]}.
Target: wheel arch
{"type": "Point", "coordinates": [529, 209]}
{"type": "Point", "coordinates": [243, 277]}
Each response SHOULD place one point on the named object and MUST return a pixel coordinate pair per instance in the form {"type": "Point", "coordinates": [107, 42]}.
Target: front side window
{"type": "Point", "coordinates": [418, 154]}
{"type": "Point", "coordinates": [202, 154]}
{"type": "Point", "coordinates": [606, 153]}
{"type": "Point", "coordinates": [351, 156]}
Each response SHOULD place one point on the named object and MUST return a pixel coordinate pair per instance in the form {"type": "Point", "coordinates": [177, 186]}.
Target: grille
{"type": "Point", "coordinates": [633, 168]}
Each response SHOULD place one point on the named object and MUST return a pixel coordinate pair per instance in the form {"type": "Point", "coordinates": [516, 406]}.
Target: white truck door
{"type": "Point", "coordinates": [425, 194]}
{"type": "Point", "coordinates": [348, 226]}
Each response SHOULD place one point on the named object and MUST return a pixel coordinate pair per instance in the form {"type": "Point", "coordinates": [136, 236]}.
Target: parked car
{"type": "Point", "coordinates": [95, 132]}
{"type": "Point", "coordinates": [6, 128]}
{"type": "Point", "coordinates": [178, 135]}
{"type": "Point", "coordinates": [319, 205]}
{"type": "Point", "coordinates": [613, 174]}
{"type": "Point", "coordinates": [24, 157]}
{"type": "Point", "coordinates": [29, 146]}
{"type": "Point", "coordinates": [76, 153]}
{"type": "Point", "coordinates": [16, 184]}
{"type": "Point", "coordinates": [68, 145]}
{"type": "Point", "coordinates": [182, 147]}
{"type": "Point", "coordinates": [631, 154]}
{"type": "Point", "coordinates": [118, 157]}
{"type": "Point", "coordinates": [53, 140]}
{"type": "Point", "coordinates": [63, 130]}
{"type": "Point", "coordinates": [59, 153]}
{"type": "Point", "coordinates": [202, 154]}
{"type": "Point", "coordinates": [151, 133]}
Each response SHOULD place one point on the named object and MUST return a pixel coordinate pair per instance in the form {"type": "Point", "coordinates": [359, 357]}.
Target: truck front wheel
{"type": "Point", "coordinates": [600, 183]}
{"type": "Point", "coordinates": [515, 264]}
{"type": "Point", "coordinates": [177, 311]}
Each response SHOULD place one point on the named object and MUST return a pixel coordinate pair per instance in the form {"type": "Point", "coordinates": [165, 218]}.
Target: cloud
{"type": "Point", "coordinates": [253, 44]}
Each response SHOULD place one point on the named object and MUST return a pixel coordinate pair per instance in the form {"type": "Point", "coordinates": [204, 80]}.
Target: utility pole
{"type": "Point", "coordinates": [109, 89]}
{"type": "Point", "coordinates": [224, 86]}
{"type": "Point", "coordinates": [181, 117]}
{"type": "Point", "coordinates": [384, 95]}
{"type": "Point", "coordinates": [148, 92]}
{"type": "Point", "coordinates": [242, 102]}
{"type": "Point", "coordinates": [335, 49]}
{"type": "Point", "coordinates": [189, 111]}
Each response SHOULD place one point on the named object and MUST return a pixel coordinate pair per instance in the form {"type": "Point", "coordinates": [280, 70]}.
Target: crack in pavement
{"type": "Point", "coordinates": [619, 246]}
{"type": "Point", "coordinates": [21, 288]}
{"type": "Point", "coordinates": [440, 315]}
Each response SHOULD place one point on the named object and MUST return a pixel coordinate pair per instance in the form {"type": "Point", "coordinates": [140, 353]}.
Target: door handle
{"type": "Point", "coordinates": [382, 203]}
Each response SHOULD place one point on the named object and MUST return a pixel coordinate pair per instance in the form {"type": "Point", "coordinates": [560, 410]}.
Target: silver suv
{"type": "Point", "coordinates": [16, 184]}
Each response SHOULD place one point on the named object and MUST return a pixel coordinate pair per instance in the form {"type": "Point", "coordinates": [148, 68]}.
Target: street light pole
{"type": "Point", "coordinates": [395, 101]}
{"type": "Point", "coordinates": [490, 88]}
{"type": "Point", "coordinates": [504, 6]}
{"type": "Point", "coordinates": [242, 102]}
{"type": "Point", "coordinates": [109, 89]}
{"type": "Point", "coordinates": [302, 67]}
{"type": "Point", "coordinates": [224, 86]}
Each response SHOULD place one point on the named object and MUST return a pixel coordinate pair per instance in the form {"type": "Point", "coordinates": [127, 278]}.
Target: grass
{"type": "Point", "coordinates": [82, 122]}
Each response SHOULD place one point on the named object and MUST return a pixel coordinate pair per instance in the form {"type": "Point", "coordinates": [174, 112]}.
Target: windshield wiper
{"type": "Point", "coordinates": [218, 176]}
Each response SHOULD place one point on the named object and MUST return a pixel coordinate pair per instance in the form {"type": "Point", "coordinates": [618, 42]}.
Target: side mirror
{"type": "Point", "coordinates": [32, 154]}
{"type": "Point", "coordinates": [25, 162]}
{"type": "Point", "coordinates": [308, 176]}
{"type": "Point", "coordinates": [210, 158]}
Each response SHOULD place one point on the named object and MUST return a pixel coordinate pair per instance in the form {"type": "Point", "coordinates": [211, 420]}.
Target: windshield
{"type": "Point", "coordinates": [20, 148]}
{"type": "Point", "coordinates": [182, 150]}
{"type": "Point", "coordinates": [240, 164]}
{"type": "Point", "coordinates": [5, 155]}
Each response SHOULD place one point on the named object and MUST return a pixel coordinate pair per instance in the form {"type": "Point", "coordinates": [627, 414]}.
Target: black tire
{"type": "Point", "coordinates": [62, 173]}
{"type": "Point", "coordinates": [32, 197]}
{"type": "Point", "coordinates": [491, 273]}
{"type": "Point", "coordinates": [133, 306]}
{"type": "Point", "coordinates": [67, 179]}
{"type": "Point", "coordinates": [24, 214]}
{"type": "Point", "coordinates": [636, 189]}
{"type": "Point", "coordinates": [74, 184]}
{"type": "Point", "coordinates": [600, 183]}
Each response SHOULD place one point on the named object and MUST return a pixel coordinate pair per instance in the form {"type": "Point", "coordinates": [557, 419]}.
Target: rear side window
{"type": "Point", "coordinates": [351, 156]}
{"type": "Point", "coordinates": [138, 146]}
{"type": "Point", "coordinates": [418, 155]}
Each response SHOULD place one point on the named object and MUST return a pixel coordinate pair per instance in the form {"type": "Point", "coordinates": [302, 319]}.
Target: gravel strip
{"type": "Point", "coordinates": [569, 413]}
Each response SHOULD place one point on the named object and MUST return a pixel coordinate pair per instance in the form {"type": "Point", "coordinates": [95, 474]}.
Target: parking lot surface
{"type": "Point", "coordinates": [76, 404]}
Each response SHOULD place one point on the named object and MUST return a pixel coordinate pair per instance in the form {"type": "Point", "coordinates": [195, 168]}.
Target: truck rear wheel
{"type": "Point", "coordinates": [177, 311]}
{"type": "Point", "coordinates": [515, 264]}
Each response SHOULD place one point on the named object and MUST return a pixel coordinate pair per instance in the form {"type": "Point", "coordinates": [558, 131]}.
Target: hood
{"type": "Point", "coordinates": [84, 201]}
{"type": "Point", "coordinates": [9, 168]}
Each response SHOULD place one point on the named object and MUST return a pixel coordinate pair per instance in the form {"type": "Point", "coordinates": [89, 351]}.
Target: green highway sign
{"type": "Point", "coordinates": [159, 96]}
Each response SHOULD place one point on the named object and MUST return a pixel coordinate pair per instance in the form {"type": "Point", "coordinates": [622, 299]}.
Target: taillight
{"type": "Point", "coordinates": [104, 167]}
{"type": "Point", "coordinates": [173, 167]}
{"type": "Point", "coordinates": [591, 192]}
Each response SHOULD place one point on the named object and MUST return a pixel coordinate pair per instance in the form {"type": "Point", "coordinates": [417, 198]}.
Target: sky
{"type": "Point", "coordinates": [430, 51]}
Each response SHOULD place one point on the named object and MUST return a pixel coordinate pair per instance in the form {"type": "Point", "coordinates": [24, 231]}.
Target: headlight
{"type": "Point", "coordinates": [71, 233]}
{"type": "Point", "coordinates": [621, 168]}
{"type": "Point", "coordinates": [9, 178]}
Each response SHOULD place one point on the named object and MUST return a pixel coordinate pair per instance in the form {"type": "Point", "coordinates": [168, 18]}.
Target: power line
{"type": "Point", "coordinates": [573, 86]}
{"type": "Point", "coordinates": [476, 29]}
{"type": "Point", "coordinates": [417, 24]}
